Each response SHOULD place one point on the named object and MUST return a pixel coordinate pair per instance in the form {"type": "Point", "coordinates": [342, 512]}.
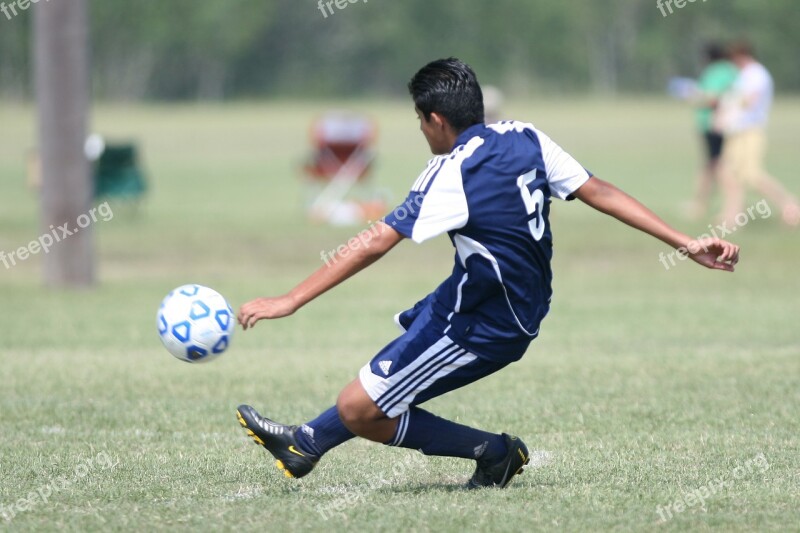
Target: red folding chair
{"type": "Point", "coordinates": [341, 160]}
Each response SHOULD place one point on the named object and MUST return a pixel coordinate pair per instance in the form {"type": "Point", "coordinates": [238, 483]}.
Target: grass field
{"type": "Point", "coordinates": [647, 387]}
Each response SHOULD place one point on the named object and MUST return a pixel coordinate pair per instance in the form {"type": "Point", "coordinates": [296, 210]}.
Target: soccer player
{"type": "Point", "coordinates": [489, 189]}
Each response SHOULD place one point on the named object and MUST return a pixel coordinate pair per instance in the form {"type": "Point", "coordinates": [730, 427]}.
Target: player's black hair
{"type": "Point", "coordinates": [715, 52]}
{"type": "Point", "coordinates": [450, 88]}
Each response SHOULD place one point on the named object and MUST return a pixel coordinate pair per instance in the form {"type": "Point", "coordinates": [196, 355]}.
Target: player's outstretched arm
{"type": "Point", "coordinates": [361, 251]}
{"type": "Point", "coordinates": [711, 253]}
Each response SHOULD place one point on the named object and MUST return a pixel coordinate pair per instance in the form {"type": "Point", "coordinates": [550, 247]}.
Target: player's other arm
{"type": "Point", "coordinates": [361, 251]}
{"type": "Point", "coordinates": [605, 197]}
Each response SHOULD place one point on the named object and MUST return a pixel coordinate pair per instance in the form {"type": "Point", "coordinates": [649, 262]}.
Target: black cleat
{"type": "Point", "coordinates": [279, 440]}
{"type": "Point", "coordinates": [500, 474]}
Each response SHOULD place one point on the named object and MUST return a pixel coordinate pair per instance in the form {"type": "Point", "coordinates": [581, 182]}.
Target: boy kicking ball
{"type": "Point", "coordinates": [489, 189]}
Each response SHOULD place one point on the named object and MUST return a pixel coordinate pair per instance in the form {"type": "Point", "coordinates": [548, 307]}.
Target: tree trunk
{"type": "Point", "coordinates": [61, 69]}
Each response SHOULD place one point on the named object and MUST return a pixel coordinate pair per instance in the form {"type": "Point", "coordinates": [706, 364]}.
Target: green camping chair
{"type": "Point", "coordinates": [117, 173]}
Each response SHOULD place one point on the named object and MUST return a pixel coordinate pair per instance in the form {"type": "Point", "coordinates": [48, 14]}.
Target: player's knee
{"type": "Point", "coordinates": [347, 412]}
{"type": "Point", "coordinates": [356, 408]}
{"type": "Point", "coordinates": [350, 410]}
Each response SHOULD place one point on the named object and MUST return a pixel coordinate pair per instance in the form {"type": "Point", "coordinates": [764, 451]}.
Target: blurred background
{"type": "Point", "coordinates": [214, 112]}
{"type": "Point", "coordinates": [187, 91]}
{"type": "Point", "coordinates": [187, 50]}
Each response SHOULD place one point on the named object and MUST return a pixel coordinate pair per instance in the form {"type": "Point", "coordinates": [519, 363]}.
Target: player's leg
{"type": "Point", "coordinates": [771, 189]}
{"type": "Point", "coordinates": [327, 431]}
{"type": "Point", "coordinates": [766, 185]}
{"type": "Point", "coordinates": [419, 365]}
{"type": "Point", "coordinates": [408, 426]}
{"type": "Point", "coordinates": [707, 176]}
{"type": "Point", "coordinates": [297, 449]}
{"type": "Point", "coordinates": [704, 184]}
{"type": "Point", "coordinates": [381, 405]}
{"type": "Point", "coordinates": [361, 414]}
{"type": "Point", "coordinates": [731, 178]}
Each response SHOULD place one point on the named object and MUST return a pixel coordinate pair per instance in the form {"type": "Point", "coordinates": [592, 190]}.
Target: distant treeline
{"type": "Point", "coordinates": [214, 49]}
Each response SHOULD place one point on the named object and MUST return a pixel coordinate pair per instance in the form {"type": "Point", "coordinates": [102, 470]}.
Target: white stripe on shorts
{"type": "Point", "coordinates": [393, 394]}
{"type": "Point", "coordinates": [402, 427]}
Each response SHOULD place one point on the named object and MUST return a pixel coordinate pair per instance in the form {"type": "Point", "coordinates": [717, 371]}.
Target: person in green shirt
{"type": "Point", "coordinates": [717, 78]}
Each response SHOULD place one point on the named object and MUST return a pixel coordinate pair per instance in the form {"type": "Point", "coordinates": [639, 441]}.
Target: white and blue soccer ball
{"type": "Point", "coordinates": [195, 323]}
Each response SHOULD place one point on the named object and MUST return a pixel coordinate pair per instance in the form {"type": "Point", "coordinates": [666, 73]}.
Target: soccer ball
{"type": "Point", "coordinates": [195, 323]}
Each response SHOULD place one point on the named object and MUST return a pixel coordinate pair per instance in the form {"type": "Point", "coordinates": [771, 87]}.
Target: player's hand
{"type": "Point", "coordinates": [255, 310]}
{"type": "Point", "coordinates": [714, 253]}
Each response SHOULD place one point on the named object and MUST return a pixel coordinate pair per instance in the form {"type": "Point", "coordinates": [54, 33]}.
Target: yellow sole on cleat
{"type": "Point", "coordinates": [255, 437]}
{"type": "Point", "coordinates": [286, 473]}
{"type": "Point", "coordinates": [242, 422]}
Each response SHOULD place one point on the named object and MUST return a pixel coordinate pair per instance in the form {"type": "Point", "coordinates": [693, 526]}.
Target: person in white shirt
{"type": "Point", "coordinates": [743, 117]}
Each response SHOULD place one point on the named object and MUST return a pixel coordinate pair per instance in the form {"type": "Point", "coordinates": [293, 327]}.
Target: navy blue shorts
{"type": "Point", "coordinates": [421, 364]}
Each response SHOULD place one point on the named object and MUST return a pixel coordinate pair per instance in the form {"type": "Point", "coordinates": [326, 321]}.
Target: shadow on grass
{"type": "Point", "coordinates": [423, 488]}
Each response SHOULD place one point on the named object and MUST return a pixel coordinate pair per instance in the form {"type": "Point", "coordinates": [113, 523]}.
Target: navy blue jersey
{"type": "Point", "coordinates": [491, 194]}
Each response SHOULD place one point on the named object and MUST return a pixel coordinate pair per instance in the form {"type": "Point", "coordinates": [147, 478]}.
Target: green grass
{"type": "Point", "coordinates": [645, 384]}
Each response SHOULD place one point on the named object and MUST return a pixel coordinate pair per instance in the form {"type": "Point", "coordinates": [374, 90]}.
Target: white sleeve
{"type": "Point", "coordinates": [437, 202]}
{"type": "Point", "coordinates": [443, 206]}
{"type": "Point", "coordinates": [564, 173]}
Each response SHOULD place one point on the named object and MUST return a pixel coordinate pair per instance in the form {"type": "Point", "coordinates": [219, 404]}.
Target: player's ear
{"type": "Point", "coordinates": [438, 120]}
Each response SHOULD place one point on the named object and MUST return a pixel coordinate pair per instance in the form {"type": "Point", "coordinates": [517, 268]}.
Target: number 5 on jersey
{"type": "Point", "coordinates": [534, 204]}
